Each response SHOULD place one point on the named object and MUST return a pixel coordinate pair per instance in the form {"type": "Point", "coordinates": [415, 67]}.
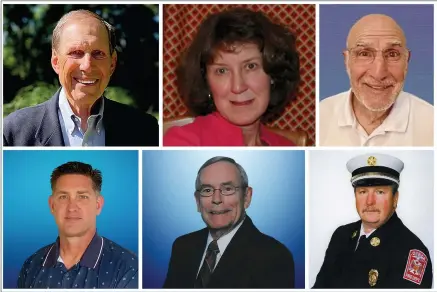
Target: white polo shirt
{"type": "Point", "coordinates": [409, 123]}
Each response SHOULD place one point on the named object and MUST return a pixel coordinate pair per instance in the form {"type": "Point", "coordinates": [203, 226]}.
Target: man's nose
{"type": "Point", "coordinates": [371, 198]}
{"type": "Point", "coordinates": [379, 67]}
{"type": "Point", "coordinates": [72, 204]}
{"type": "Point", "coordinates": [85, 63]}
{"type": "Point", "coordinates": [217, 197]}
{"type": "Point", "coordinates": [238, 82]}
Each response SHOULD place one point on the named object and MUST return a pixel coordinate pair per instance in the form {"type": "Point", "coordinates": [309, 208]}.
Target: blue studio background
{"type": "Point", "coordinates": [169, 208]}
{"type": "Point", "coordinates": [28, 223]}
{"type": "Point", "coordinates": [417, 24]}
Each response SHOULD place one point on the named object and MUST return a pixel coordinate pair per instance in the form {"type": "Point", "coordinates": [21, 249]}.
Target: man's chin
{"type": "Point", "coordinates": [219, 229]}
{"type": "Point", "coordinates": [218, 225]}
{"type": "Point", "coordinates": [371, 221]}
{"type": "Point", "coordinates": [84, 95]}
{"type": "Point", "coordinates": [73, 233]}
{"type": "Point", "coordinates": [374, 104]}
{"type": "Point", "coordinates": [376, 107]}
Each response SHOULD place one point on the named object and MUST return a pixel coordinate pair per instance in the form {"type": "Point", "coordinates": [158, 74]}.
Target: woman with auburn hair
{"type": "Point", "coordinates": [240, 72]}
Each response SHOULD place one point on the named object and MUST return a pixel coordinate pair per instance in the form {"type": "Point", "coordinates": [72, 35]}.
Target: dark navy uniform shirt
{"type": "Point", "coordinates": [103, 265]}
{"type": "Point", "coordinates": [383, 260]}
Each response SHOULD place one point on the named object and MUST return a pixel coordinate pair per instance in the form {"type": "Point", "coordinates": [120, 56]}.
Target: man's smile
{"type": "Point", "coordinates": [86, 81]}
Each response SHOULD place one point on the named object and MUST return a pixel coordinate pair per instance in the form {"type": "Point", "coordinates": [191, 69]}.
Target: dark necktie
{"type": "Point", "coordinates": [208, 265]}
{"type": "Point", "coordinates": [360, 242]}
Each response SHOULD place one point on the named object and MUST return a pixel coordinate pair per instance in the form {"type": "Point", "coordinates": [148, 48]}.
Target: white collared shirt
{"type": "Point", "coordinates": [409, 123]}
{"type": "Point", "coordinates": [363, 233]}
{"type": "Point", "coordinates": [71, 129]}
{"type": "Point", "coordinates": [222, 243]}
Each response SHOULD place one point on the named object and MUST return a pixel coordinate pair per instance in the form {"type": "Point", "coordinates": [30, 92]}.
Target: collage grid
{"type": "Point", "coordinates": [318, 163]}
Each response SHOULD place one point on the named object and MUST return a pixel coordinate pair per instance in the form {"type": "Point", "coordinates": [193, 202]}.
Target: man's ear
{"type": "Point", "coordinates": [99, 204]}
{"type": "Point", "coordinates": [55, 61]}
{"type": "Point", "coordinates": [113, 62]}
{"type": "Point", "coordinates": [395, 200]}
{"type": "Point", "coordinates": [51, 204]}
{"type": "Point", "coordinates": [345, 58]}
{"type": "Point", "coordinates": [248, 197]}
{"type": "Point", "coordinates": [196, 197]}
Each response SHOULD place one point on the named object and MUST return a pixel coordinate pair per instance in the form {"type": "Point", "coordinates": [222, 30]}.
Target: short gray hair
{"type": "Point", "coordinates": [82, 12]}
{"type": "Point", "coordinates": [243, 176]}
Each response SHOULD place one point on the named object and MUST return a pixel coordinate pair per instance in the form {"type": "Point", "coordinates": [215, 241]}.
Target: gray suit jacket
{"type": "Point", "coordinates": [39, 126]}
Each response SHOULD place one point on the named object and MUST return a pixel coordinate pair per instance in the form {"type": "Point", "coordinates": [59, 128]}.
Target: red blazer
{"type": "Point", "coordinates": [214, 130]}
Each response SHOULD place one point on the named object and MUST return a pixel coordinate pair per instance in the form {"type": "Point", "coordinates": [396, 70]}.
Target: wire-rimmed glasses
{"type": "Point", "coordinates": [225, 190]}
{"type": "Point", "coordinates": [366, 55]}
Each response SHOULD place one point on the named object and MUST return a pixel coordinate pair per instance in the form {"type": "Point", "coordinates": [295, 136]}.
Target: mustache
{"type": "Point", "coordinates": [371, 210]}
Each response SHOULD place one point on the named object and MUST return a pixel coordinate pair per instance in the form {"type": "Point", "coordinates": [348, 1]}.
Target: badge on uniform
{"type": "Point", "coordinates": [354, 234]}
{"type": "Point", "coordinates": [375, 241]}
{"type": "Point", "coordinates": [416, 265]}
{"type": "Point", "coordinates": [373, 277]}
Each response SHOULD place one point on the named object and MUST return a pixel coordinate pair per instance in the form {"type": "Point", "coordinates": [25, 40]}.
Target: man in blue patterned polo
{"type": "Point", "coordinates": [80, 258]}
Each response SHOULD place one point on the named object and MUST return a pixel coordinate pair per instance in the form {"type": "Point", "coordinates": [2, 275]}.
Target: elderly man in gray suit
{"type": "Point", "coordinates": [84, 57]}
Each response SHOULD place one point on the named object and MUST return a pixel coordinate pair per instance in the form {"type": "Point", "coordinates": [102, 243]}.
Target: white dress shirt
{"type": "Point", "coordinates": [222, 243]}
{"type": "Point", "coordinates": [363, 233]}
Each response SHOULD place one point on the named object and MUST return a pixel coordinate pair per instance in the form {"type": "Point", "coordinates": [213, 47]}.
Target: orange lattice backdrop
{"type": "Point", "coordinates": [181, 22]}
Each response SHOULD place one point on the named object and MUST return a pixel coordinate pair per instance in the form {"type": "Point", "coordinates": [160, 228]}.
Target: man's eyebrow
{"type": "Point", "coordinates": [395, 44]}
{"type": "Point", "coordinates": [75, 45]}
{"type": "Point", "coordinates": [362, 44]}
{"type": "Point", "coordinates": [222, 184]}
{"type": "Point", "coordinates": [227, 183]}
{"type": "Point", "coordinates": [391, 44]}
{"type": "Point", "coordinates": [83, 192]}
{"type": "Point", "coordinates": [62, 192]}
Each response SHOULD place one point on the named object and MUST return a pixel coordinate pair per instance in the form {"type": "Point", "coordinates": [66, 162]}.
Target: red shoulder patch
{"type": "Point", "coordinates": [416, 265]}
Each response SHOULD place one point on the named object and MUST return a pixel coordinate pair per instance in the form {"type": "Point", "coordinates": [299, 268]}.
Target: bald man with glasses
{"type": "Point", "coordinates": [375, 111]}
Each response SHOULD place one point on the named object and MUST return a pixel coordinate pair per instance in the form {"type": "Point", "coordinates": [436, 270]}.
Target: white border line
{"type": "Point", "coordinates": [317, 101]}
{"type": "Point", "coordinates": [365, 2]}
{"type": "Point", "coordinates": [161, 72]}
{"type": "Point", "coordinates": [140, 219]}
{"type": "Point", "coordinates": [1, 162]}
{"type": "Point", "coordinates": [433, 256]}
{"type": "Point", "coordinates": [394, 2]}
{"type": "Point", "coordinates": [307, 217]}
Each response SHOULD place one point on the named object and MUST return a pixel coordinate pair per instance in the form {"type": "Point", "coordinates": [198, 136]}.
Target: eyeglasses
{"type": "Point", "coordinates": [365, 55]}
{"type": "Point", "coordinates": [228, 190]}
